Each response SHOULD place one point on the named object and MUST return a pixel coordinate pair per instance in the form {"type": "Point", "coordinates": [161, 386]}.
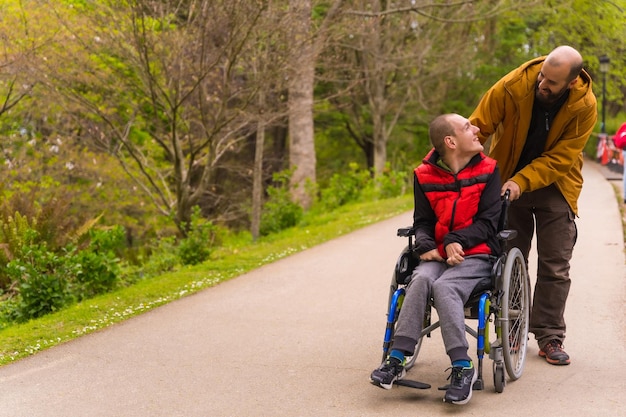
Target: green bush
{"type": "Point", "coordinates": [391, 183]}
{"type": "Point", "coordinates": [15, 235]}
{"type": "Point", "coordinates": [98, 266]}
{"type": "Point", "coordinates": [279, 211]}
{"type": "Point", "coordinates": [159, 256]}
{"type": "Point", "coordinates": [26, 217]}
{"type": "Point", "coordinates": [345, 187]}
{"type": "Point", "coordinates": [43, 279]}
{"type": "Point", "coordinates": [358, 185]}
{"type": "Point", "coordinates": [8, 312]}
{"type": "Point", "coordinates": [196, 247]}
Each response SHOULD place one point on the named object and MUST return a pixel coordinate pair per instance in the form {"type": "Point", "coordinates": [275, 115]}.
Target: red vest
{"type": "Point", "coordinates": [454, 198]}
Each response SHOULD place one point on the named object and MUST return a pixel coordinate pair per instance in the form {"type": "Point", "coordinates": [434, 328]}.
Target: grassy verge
{"type": "Point", "coordinates": [26, 339]}
{"type": "Point", "coordinates": [622, 209]}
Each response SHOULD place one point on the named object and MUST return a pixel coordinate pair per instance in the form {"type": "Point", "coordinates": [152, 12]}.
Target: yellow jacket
{"type": "Point", "coordinates": [504, 113]}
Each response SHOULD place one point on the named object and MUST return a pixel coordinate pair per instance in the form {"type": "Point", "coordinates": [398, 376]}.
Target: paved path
{"type": "Point", "coordinates": [300, 337]}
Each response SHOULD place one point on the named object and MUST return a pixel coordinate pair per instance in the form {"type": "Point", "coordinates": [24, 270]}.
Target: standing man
{"type": "Point", "coordinates": [539, 117]}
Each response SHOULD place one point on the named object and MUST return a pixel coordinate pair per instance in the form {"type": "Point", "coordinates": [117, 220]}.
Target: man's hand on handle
{"type": "Point", "coordinates": [514, 189]}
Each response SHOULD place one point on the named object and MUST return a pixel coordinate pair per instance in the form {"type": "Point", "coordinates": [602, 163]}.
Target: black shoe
{"type": "Point", "coordinates": [390, 371]}
{"type": "Point", "coordinates": [554, 353]}
{"type": "Point", "coordinates": [461, 384]}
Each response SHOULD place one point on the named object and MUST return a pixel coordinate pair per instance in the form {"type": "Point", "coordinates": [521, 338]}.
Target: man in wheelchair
{"type": "Point", "coordinates": [456, 213]}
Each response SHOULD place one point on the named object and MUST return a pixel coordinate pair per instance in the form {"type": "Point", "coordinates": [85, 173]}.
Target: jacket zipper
{"type": "Point", "coordinates": [456, 200]}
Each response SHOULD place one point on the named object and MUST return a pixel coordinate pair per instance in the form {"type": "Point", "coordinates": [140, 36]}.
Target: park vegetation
{"type": "Point", "coordinates": [141, 137]}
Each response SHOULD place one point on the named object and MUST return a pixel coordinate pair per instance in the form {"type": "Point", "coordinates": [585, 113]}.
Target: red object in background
{"type": "Point", "coordinates": [620, 137]}
{"type": "Point", "coordinates": [608, 152]}
{"type": "Point", "coordinates": [603, 151]}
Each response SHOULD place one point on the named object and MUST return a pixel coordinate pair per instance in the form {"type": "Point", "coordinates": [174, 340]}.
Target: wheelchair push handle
{"type": "Point", "coordinates": [406, 231]}
{"type": "Point", "coordinates": [504, 215]}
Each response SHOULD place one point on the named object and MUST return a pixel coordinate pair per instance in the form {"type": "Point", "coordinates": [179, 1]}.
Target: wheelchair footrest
{"type": "Point", "coordinates": [412, 384]}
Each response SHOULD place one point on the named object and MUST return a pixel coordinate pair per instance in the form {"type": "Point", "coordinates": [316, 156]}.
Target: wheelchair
{"type": "Point", "coordinates": [506, 304]}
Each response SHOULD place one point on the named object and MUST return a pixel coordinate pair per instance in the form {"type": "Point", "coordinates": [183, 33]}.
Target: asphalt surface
{"type": "Point", "coordinates": [300, 337]}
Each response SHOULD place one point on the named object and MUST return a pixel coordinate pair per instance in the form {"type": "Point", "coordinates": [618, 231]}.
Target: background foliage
{"type": "Point", "coordinates": [130, 131]}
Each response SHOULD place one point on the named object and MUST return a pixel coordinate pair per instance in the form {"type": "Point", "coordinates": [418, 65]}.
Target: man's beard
{"type": "Point", "coordinates": [551, 98]}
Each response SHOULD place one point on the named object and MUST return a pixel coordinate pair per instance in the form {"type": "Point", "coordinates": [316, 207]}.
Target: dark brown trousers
{"type": "Point", "coordinates": [546, 212]}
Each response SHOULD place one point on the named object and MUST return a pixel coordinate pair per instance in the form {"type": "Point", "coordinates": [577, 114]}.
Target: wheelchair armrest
{"type": "Point", "coordinates": [406, 231]}
{"type": "Point", "coordinates": [507, 234]}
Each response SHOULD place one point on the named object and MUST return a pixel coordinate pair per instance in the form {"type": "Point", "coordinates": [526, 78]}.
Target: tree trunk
{"type": "Point", "coordinates": [301, 139]}
{"type": "Point", "coordinates": [257, 181]}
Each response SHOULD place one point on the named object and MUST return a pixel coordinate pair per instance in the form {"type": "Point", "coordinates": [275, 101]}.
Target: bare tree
{"type": "Point", "coordinates": [388, 63]}
{"type": "Point", "coordinates": [266, 66]}
{"type": "Point", "coordinates": [163, 87]}
{"type": "Point", "coordinates": [17, 46]}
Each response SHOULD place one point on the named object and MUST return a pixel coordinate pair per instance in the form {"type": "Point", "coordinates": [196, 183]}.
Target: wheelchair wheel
{"type": "Point", "coordinates": [515, 313]}
{"type": "Point", "coordinates": [498, 377]}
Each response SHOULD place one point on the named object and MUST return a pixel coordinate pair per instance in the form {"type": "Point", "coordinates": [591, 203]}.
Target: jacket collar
{"type": "Point", "coordinates": [433, 157]}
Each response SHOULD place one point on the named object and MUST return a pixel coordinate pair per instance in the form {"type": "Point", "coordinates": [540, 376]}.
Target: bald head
{"type": "Point", "coordinates": [568, 57]}
{"type": "Point", "coordinates": [439, 128]}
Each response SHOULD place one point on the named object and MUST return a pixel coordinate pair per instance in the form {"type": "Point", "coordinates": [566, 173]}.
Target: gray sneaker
{"type": "Point", "coordinates": [461, 384]}
{"type": "Point", "coordinates": [554, 353]}
{"type": "Point", "coordinates": [390, 371]}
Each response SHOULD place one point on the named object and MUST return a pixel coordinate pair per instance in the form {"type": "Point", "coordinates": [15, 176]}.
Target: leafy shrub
{"type": "Point", "coordinates": [8, 312]}
{"type": "Point", "coordinates": [279, 211]}
{"type": "Point", "coordinates": [159, 256]}
{"type": "Point", "coordinates": [43, 279]}
{"type": "Point", "coordinates": [345, 187]}
{"type": "Point", "coordinates": [359, 185]}
{"type": "Point", "coordinates": [391, 183]}
{"type": "Point", "coordinates": [98, 266]}
{"type": "Point", "coordinates": [196, 247]}
{"type": "Point", "coordinates": [50, 215]}
{"type": "Point", "coordinates": [16, 235]}
{"type": "Point", "coordinates": [26, 218]}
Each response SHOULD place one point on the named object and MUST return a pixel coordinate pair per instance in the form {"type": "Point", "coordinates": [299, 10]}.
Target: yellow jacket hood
{"type": "Point", "coordinates": [503, 115]}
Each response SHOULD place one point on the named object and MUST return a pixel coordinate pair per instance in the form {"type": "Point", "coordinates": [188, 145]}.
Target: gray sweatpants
{"type": "Point", "coordinates": [451, 287]}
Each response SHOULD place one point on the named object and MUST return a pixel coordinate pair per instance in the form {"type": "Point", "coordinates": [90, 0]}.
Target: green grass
{"type": "Point", "coordinates": [622, 208]}
{"type": "Point", "coordinates": [227, 262]}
